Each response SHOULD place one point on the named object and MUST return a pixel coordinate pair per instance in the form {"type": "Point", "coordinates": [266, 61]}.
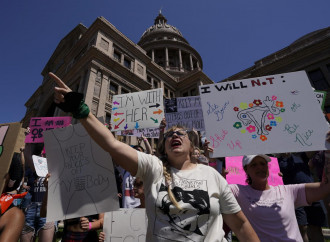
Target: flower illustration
{"type": "Point", "coordinates": [251, 128]}
{"type": "Point", "coordinates": [243, 131]}
{"type": "Point", "coordinates": [270, 116]}
{"type": "Point", "coordinates": [257, 102]}
{"type": "Point", "coordinates": [268, 127]}
{"type": "Point", "coordinates": [278, 119]}
{"type": "Point", "coordinates": [273, 123]}
{"type": "Point", "coordinates": [250, 105]}
{"type": "Point", "coordinates": [279, 104]}
{"type": "Point", "coordinates": [243, 105]}
{"type": "Point", "coordinates": [263, 137]}
{"type": "Point", "coordinates": [237, 125]}
{"type": "Point", "coordinates": [244, 116]}
{"type": "Point", "coordinates": [282, 110]}
{"type": "Point", "coordinates": [236, 109]}
{"type": "Point", "coordinates": [254, 136]}
{"type": "Point", "coordinates": [274, 98]}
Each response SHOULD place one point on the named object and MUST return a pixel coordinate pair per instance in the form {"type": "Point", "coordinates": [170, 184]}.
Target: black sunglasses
{"type": "Point", "coordinates": [178, 133]}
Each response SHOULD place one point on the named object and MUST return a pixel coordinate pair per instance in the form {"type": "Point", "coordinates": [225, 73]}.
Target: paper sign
{"type": "Point", "coordinates": [8, 138]}
{"type": "Point", "coordinates": [40, 124]}
{"type": "Point", "coordinates": [237, 174]}
{"type": "Point", "coordinates": [82, 178]}
{"type": "Point", "coordinates": [184, 111]}
{"type": "Point", "coordinates": [147, 132]}
{"type": "Point", "coordinates": [271, 114]}
{"type": "Point", "coordinates": [320, 96]}
{"type": "Point", "coordinates": [137, 110]}
{"type": "Point", "coordinates": [40, 165]}
{"type": "Point", "coordinates": [125, 225]}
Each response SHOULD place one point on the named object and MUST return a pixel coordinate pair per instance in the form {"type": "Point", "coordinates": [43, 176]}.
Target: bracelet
{"type": "Point", "coordinates": [89, 225]}
{"type": "Point", "coordinates": [82, 111]}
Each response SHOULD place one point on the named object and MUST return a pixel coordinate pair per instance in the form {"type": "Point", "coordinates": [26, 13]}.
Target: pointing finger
{"type": "Point", "coordinates": [58, 81]}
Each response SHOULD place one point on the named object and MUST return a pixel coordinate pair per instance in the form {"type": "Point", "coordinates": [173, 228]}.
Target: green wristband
{"type": "Point", "coordinates": [82, 111]}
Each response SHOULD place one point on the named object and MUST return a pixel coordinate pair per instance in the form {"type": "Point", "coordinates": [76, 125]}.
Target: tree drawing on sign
{"type": "Point", "coordinates": [258, 118]}
{"type": "Point", "coordinates": [83, 173]}
{"type": "Point", "coordinates": [3, 132]}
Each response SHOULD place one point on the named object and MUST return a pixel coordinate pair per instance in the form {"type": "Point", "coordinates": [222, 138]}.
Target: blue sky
{"type": "Point", "coordinates": [229, 35]}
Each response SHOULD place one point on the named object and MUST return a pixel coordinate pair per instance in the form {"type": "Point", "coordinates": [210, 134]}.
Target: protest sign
{"type": "Point", "coordinates": [40, 165]}
{"type": "Point", "coordinates": [237, 174]}
{"type": "Point", "coordinates": [271, 114]}
{"type": "Point", "coordinates": [9, 133]}
{"type": "Point", "coordinates": [137, 110]}
{"type": "Point", "coordinates": [83, 178]}
{"type": "Point", "coordinates": [320, 96]}
{"type": "Point", "coordinates": [184, 111]}
{"type": "Point", "coordinates": [40, 124]}
{"type": "Point", "coordinates": [125, 225]}
{"type": "Point", "coordinates": [147, 132]}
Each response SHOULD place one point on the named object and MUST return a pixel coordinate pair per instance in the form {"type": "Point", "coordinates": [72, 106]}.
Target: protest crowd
{"type": "Point", "coordinates": [181, 186]}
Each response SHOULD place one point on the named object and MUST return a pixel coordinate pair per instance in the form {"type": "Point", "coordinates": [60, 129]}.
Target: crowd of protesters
{"type": "Point", "coordinates": [183, 190]}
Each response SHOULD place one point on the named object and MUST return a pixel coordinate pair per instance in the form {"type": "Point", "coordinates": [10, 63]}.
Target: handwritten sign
{"type": "Point", "coordinates": [83, 178]}
{"type": "Point", "coordinates": [40, 165]}
{"type": "Point", "coordinates": [125, 225]}
{"type": "Point", "coordinates": [40, 124]}
{"type": "Point", "coordinates": [9, 133]}
{"type": "Point", "coordinates": [320, 96]}
{"type": "Point", "coordinates": [237, 174]}
{"type": "Point", "coordinates": [184, 111]}
{"type": "Point", "coordinates": [147, 132]}
{"type": "Point", "coordinates": [137, 110]}
{"type": "Point", "coordinates": [271, 114]}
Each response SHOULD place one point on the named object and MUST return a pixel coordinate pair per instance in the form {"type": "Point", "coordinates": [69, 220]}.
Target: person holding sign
{"type": "Point", "coordinates": [271, 210]}
{"type": "Point", "coordinates": [184, 200]}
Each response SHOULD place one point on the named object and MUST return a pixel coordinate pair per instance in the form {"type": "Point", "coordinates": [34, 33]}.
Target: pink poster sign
{"type": "Point", "coordinates": [40, 124]}
{"type": "Point", "coordinates": [237, 174]}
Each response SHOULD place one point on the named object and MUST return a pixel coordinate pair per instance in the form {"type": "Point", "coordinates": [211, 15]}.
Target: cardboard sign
{"type": "Point", "coordinates": [271, 114]}
{"type": "Point", "coordinates": [137, 110]}
{"type": "Point", "coordinates": [40, 165]}
{"type": "Point", "coordinates": [184, 111]}
{"type": "Point", "coordinates": [125, 225]}
{"type": "Point", "coordinates": [82, 178]}
{"type": "Point", "coordinates": [8, 138]}
{"type": "Point", "coordinates": [320, 96]}
{"type": "Point", "coordinates": [237, 174]}
{"type": "Point", "coordinates": [40, 124]}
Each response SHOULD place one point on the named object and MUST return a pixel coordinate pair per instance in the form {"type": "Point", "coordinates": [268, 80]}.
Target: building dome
{"type": "Point", "coordinates": [166, 46]}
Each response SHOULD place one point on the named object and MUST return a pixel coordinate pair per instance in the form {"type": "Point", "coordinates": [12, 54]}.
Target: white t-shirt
{"type": "Point", "coordinates": [202, 193]}
{"type": "Point", "coordinates": [271, 212]}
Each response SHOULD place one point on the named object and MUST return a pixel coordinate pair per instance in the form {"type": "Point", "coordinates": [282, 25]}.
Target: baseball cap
{"type": "Point", "coordinates": [248, 158]}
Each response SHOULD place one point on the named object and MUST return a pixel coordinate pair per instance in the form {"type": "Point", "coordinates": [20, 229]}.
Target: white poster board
{"type": "Point", "coordinates": [82, 178]}
{"type": "Point", "coordinates": [184, 111]}
{"type": "Point", "coordinates": [137, 110]}
{"type": "Point", "coordinates": [40, 165]}
{"type": "Point", "coordinates": [125, 225]}
{"type": "Point", "coordinates": [271, 114]}
{"type": "Point", "coordinates": [147, 132]}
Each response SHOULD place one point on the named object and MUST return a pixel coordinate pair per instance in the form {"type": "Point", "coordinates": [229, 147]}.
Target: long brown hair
{"type": "Point", "coordinates": [166, 165]}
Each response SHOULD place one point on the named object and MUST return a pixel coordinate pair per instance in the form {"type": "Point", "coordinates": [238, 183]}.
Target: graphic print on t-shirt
{"type": "Point", "coordinates": [189, 223]}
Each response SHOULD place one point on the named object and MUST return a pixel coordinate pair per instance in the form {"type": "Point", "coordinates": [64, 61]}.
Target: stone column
{"type": "Point", "coordinates": [153, 55]}
{"type": "Point", "coordinates": [180, 60]}
{"type": "Point", "coordinates": [166, 58]}
{"type": "Point", "coordinates": [191, 62]}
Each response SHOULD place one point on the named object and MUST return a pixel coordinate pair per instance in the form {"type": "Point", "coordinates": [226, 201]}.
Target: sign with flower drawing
{"type": "Point", "coordinates": [270, 114]}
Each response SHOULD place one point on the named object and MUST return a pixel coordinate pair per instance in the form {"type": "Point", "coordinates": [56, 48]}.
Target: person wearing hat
{"type": "Point", "coordinates": [271, 209]}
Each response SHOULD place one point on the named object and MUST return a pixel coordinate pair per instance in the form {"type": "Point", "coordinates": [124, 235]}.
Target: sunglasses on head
{"type": "Point", "coordinates": [178, 133]}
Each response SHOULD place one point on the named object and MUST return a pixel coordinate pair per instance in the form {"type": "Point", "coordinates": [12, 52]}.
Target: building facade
{"type": "Point", "coordinates": [100, 62]}
{"type": "Point", "coordinates": [310, 53]}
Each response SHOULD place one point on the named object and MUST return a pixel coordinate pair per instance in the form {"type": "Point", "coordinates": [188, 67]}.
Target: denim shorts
{"type": "Point", "coordinates": [33, 221]}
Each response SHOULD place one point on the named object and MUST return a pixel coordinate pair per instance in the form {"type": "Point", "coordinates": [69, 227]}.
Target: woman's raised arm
{"type": "Point", "coordinates": [124, 155]}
